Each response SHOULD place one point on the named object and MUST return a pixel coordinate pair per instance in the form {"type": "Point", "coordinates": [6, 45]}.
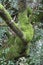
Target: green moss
{"type": "Point", "coordinates": [3, 9]}
{"type": "Point", "coordinates": [23, 17]}
{"type": "Point", "coordinates": [8, 16]}
{"type": "Point", "coordinates": [29, 33]}
{"type": "Point", "coordinates": [1, 6]}
{"type": "Point", "coordinates": [29, 11]}
{"type": "Point", "coordinates": [26, 26]}
{"type": "Point", "coordinates": [11, 40]}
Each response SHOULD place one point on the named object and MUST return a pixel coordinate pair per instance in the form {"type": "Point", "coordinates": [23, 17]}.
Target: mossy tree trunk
{"type": "Point", "coordinates": [8, 19]}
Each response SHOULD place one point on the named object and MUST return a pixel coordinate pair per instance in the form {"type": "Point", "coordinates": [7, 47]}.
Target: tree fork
{"type": "Point", "coordinates": [8, 19]}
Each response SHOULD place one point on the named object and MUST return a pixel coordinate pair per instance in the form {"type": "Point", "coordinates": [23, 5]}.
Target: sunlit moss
{"type": "Point", "coordinates": [26, 26]}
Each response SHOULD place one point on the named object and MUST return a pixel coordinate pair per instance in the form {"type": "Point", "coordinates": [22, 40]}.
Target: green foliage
{"type": "Point", "coordinates": [40, 11]}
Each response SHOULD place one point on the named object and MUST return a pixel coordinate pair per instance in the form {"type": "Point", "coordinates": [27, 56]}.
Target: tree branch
{"type": "Point", "coordinates": [8, 19]}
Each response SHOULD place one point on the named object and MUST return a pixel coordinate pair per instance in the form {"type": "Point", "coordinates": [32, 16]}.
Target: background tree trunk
{"type": "Point", "coordinates": [22, 5]}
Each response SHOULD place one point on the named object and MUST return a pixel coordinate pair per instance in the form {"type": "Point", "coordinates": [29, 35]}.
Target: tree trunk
{"type": "Point", "coordinates": [8, 19]}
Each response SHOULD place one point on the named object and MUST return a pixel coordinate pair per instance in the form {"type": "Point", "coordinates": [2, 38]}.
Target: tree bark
{"type": "Point", "coordinates": [8, 19]}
